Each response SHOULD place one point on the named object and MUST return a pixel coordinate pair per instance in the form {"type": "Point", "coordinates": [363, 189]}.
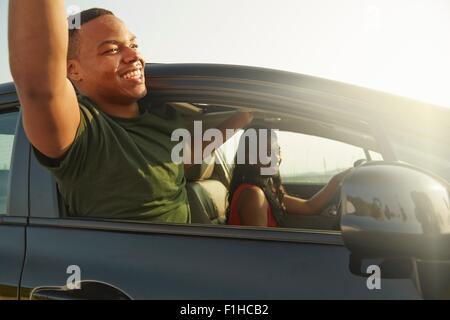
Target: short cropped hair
{"type": "Point", "coordinates": [84, 17]}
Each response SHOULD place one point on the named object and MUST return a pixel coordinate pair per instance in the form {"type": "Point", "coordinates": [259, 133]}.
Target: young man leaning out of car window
{"type": "Point", "coordinates": [109, 155]}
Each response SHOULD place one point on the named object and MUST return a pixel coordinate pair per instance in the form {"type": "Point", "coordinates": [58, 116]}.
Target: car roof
{"type": "Point", "coordinates": [158, 70]}
{"type": "Point", "coordinates": [337, 88]}
{"type": "Point", "coordinates": [391, 110]}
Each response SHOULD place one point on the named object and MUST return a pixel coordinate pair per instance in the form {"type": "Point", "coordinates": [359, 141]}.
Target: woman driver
{"type": "Point", "coordinates": [257, 199]}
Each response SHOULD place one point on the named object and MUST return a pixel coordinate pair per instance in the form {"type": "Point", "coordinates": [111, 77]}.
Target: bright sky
{"type": "Point", "coordinates": [399, 46]}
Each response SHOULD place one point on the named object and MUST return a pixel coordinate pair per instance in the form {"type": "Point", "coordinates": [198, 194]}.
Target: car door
{"type": "Point", "coordinates": [13, 196]}
{"type": "Point", "coordinates": [157, 261]}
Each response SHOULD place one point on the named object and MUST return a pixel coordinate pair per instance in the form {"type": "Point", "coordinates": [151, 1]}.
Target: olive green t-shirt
{"type": "Point", "coordinates": [122, 168]}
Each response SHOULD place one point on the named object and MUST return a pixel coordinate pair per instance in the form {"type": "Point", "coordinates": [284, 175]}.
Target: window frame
{"type": "Point", "coordinates": [201, 84]}
{"type": "Point", "coordinates": [17, 185]}
{"type": "Point", "coordinates": [51, 214]}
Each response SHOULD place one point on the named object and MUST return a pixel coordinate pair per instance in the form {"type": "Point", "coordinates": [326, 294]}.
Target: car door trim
{"type": "Point", "coordinates": [13, 221]}
{"type": "Point", "coordinates": [251, 233]}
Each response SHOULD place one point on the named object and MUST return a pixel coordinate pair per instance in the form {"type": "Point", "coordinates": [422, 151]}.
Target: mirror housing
{"type": "Point", "coordinates": [394, 210]}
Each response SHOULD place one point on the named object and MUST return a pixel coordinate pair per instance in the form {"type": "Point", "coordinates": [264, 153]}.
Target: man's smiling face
{"type": "Point", "coordinates": [108, 66]}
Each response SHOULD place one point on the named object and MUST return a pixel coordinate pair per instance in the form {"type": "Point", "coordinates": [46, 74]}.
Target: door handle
{"type": "Point", "coordinates": [89, 290]}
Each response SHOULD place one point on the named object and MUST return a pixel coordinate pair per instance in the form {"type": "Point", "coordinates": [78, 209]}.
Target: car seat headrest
{"type": "Point", "coordinates": [203, 171]}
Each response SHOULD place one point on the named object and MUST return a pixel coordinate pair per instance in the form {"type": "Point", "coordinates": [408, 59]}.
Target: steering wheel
{"type": "Point", "coordinates": [334, 209]}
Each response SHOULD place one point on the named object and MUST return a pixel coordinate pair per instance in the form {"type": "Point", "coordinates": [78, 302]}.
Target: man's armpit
{"type": "Point", "coordinates": [53, 163]}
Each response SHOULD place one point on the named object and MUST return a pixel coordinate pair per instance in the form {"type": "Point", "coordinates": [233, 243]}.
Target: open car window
{"type": "Point", "coordinates": [307, 158]}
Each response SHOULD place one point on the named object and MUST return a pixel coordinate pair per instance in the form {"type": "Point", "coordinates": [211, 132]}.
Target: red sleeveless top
{"type": "Point", "coordinates": [234, 215]}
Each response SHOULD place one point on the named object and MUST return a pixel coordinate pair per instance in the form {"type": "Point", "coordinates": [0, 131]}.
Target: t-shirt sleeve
{"type": "Point", "coordinates": [73, 163]}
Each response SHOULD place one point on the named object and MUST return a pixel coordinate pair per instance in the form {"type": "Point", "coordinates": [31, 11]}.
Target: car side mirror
{"type": "Point", "coordinates": [393, 210]}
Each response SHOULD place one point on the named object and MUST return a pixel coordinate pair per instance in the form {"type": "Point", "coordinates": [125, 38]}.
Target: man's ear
{"type": "Point", "coordinates": [73, 71]}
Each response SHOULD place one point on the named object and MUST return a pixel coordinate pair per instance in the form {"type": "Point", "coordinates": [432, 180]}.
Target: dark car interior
{"type": "Point", "coordinates": [207, 183]}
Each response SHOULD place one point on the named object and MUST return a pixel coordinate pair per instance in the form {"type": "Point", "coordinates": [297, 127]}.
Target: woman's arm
{"type": "Point", "coordinates": [318, 201]}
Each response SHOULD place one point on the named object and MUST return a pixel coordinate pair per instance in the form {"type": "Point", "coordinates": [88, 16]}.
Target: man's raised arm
{"type": "Point", "coordinates": [38, 44]}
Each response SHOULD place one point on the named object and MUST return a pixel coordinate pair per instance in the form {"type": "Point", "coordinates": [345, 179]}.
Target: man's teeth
{"type": "Point", "coordinates": [136, 74]}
